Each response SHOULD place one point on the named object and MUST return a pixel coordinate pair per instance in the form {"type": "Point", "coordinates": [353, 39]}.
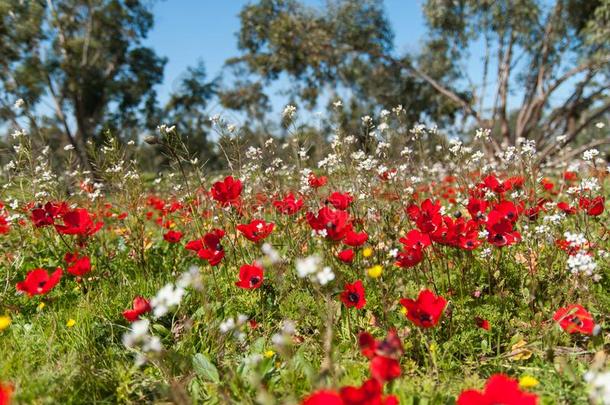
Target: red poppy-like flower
{"type": "Point", "coordinates": [346, 256]}
{"type": "Point", "coordinates": [482, 323]}
{"type": "Point", "coordinates": [384, 354]}
{"type": "Point", "coordinates": [594, 206]}
{"type": "Point", "coordinates": [250, 276]}
{"type": "Point", "coordinates": [209, 247]}
{"type": "Point", "coordinates": [227, 191]}
{"type": "Point", "coordinates": [39, 282]}
{"type": "Point", "coordinates": [390, 347]}
{"type": "Point", "coordinates": [575, 319]}
{"type": "Point", "coordinates": [355, 239]}
{"type": "Point", "coordinates": [499, 389]}
{"type": "Point", "coordinates": [426, 311]}
{"type": "Point", "coordinates": [78, 222]}
{"type": "Point", "coordinates": [140, 306]}
{"type": "Point", "coordinates": [289, 205]}
{"type": "Point", "coordinates": [323, 397]}
{"type": "Point", "coordinates": [385, 368]}
{"type": "Point", "coordinates": [353, 295]}
{"type": "Point", "coordinates": [256, 230]}
{"type": "Point", "coordinates": [172, 236]}
{"type": "Point", "coordinates": [427, 217]}
{"type": "Point", "coordinates": [565, 207]}
{"type": "Point", "coordinates": [369, 393]}
{"type": "Point", "coordinates": [476, 208]}
{"type": "Point", "coordinates": [499, 226]}
{"type": "Point", "coordinates": [409, 257]}
{"type": "Point", "coordinates": [43, 216]}
{"type": "Point", "coordinates": [336, 223]}
{"type": "Point", "coordinates": [5, 227]}
{"type": "Point", "coordinates": [5, 394]}
{"type": "Point", "coordinates": [415, 238]}
{"type": "Point", "coordinates": [79, 265]}
{"type": "Point", "coordinates": [316, 182]}
{"type": "Point", "coordinates": [340, 201]}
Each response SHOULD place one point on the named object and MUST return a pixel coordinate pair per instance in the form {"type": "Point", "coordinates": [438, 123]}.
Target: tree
{"type": "Point", "coordinates": [554, 56]}
{"type": "Point", "coordinates": [346, 47]}
{"type": "Point", "coordinates": [83, 58]}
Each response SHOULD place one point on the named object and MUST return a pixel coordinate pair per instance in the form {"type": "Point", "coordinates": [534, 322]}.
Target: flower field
{"type": "Point", "coordinates": [399, 266]}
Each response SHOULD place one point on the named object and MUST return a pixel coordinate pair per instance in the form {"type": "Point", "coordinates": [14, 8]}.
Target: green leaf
{"type": "Point", "coordinates": [205, 368]}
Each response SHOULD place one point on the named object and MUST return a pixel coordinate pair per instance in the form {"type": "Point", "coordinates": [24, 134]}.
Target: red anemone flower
{"type": "Point", "coordinates": [575, 319]}
{"type": "Point", "coordinates": [209, 247]}
{"type": "Point", "coordinates": [340, 201]}
{"type": "Point", "coordinates": [385, 368]}
{"type": "Point", "coordinates": [288, 206]}
{"type": "Point", "coordinates": [353, 295]}
{"type": "Point", "coordinates": [593, 207]}
{"type": "Point", "coordinates": [426, 311]}
{"type": "Point", "coordinates": [355, 239]}
{"type": "Point", "coordinates": [43, 216]}
{"type": "Point", "coordinates": [256, 230]}
{"type": "Point", "coordinates": [370, 393]}
{"type": "Point", "coordinates": [250, 276]}
{"type": "Point", "coordinates": [172, 236]}
{"type": "Point", "coordinates": [336, 223]}
{"type": "Point", "coordinates": [323, 397]}
{"type": "Point", "coordinates": [140, 306]}
{"type": "Point", "coordinates": [5, 227]}
{"type": "Point", "coordinates": [316, 182]}
{"type": "Point", "coordinates": [227, 191]}
{"type": "Point", "coordinates": [409, 257]}
{"type": "Point", "coordinates": [39, 282]}
{"type": "Point", "coordinates": [79, 266]}
{"type": "Point", "coordinates": [499, 389]}
{"type": "Point", "coordinates": [482, 323]}
{"type": "Point", "coordinates": [78, 222]}
{"type": "Point", "coordinates": [5, 394]}
{"type": "Point", "coordinates": [346, 256]}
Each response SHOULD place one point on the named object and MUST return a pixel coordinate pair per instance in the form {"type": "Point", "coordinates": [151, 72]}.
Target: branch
{"type": "Point", "coordinates": [580, 150]}
{"type": "Point", "coordinates": [550, 149]}
{"type": "Point", "coordinates": [447, 93]}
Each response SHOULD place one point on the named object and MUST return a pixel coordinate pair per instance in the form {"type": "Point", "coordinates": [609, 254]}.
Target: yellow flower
{"type": "Point", "coordinates": [367, 252]}
{"type": "Point", "coordinates": [269, 353]}
{"type": "Point", "coordinates": [528, 381]}
{"type": "Point", "coordinates": [375, 271]}
{"type": "Point", "coordinates": [40, 306]}
{"type": "Point", "coordinates": [71, 322]}
{"type": "Point", "coordinates": [433, 347]}
{"type": "Point", "coordinates": [5, 322]}
{"type": "Point", "coordinates": [403, 310]}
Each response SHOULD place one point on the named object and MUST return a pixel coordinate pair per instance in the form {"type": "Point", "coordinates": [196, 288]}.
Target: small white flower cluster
{"type": "Point", "coordinates": [599, 386]}
{"type": "Point", "coordinates": [589, 154]}
{"type": "Point", "coordinates": [234, 326]}
{"type": "Point", "coordinates": [254, 153]}
{"type": "Point", "coordinates": [170, 295]}
{"type": "Point", "coordinates": [284, 337]}
{"type": "Point", "coordinates": [583, 263]}
{"type": "Point", "coordinates": [164, 129]}
{"type": "Point", "coordinates": [312, 265]}
{"type": "Point", "coordinates": [575, 239]}
{"type": "Point", "coordinates": [139, 338]}
{"type": "Point", "coordinates": [289, 112]}
{"type": "Point", "coordinates": [482, 133]}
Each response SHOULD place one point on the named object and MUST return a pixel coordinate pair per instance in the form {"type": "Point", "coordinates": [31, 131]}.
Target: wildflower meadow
{"type": "Point", "coordinates": [375, 275]}
{"type": "Point", "coordinates": [305, 202]}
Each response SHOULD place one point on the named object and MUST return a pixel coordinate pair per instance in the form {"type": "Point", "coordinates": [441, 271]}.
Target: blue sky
{"type": "Point", "coordinates": [187, 31]}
